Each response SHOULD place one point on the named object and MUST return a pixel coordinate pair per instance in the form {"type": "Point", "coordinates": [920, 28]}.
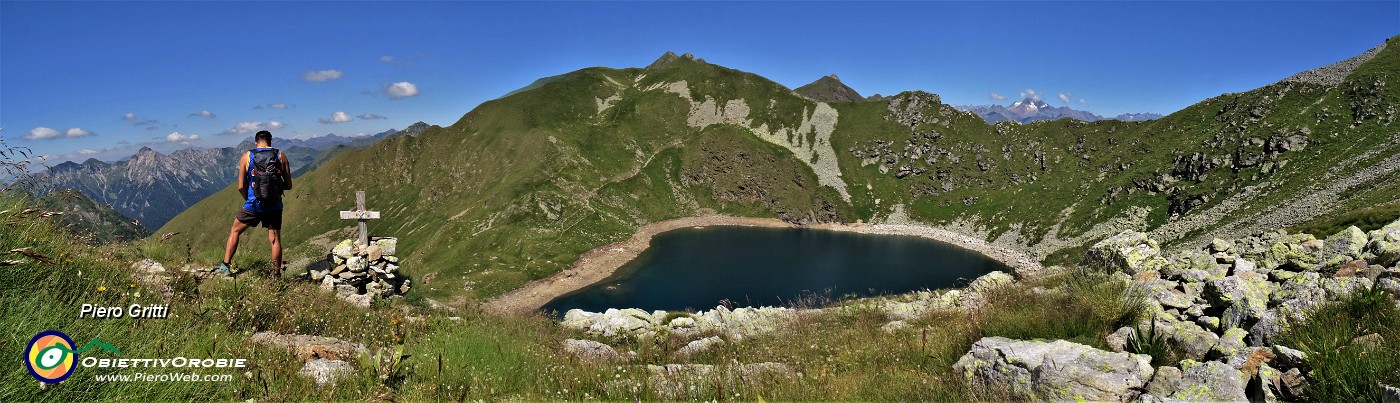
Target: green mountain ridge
{"type": "Point", "coordinates": [520, 186]}
{"type": "Point", "coordinates": [95, 223]}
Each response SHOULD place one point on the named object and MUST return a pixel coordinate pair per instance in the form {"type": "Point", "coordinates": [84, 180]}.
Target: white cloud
{"type": "Point", "coordinates": [76, 132]}
{"type": "Point", "coordinates": [1081, 100]}
{"type": "Point", "coordinates": [87, 152]}
{"type": "Point", "coordinates": [1066, 96]}
{"type": "Point", "coordinates": [278, 105]}
{"type": "Point", "coordinates": [386, 59]}
{"type": "Point", "coordinates": [321, 75]}
{"type": "Point", "coordinates": [401, 89]}
{"type": "Point", "coordinates": [40, 133]}
{"type": "Point", "coordinates": [253, 127]}
{"type": "Point", "coordinates": [177, 137]}
{"type": "Point", "coordinates": [995, 96]}
{"type": "Point", "coordinates": [338, 117]}
{"type": "Point", "coordinates": [203, 114]}
{"type": "Point", "coordinates": [371, 116]}
{"type": "Point", "coordinates": [129, 116]}
{"type": "Point", "coordinates": [1030, 94]}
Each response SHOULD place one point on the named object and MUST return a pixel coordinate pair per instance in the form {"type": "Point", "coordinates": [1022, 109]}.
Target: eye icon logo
{"type": "Point", "coordinates": [50, 356]}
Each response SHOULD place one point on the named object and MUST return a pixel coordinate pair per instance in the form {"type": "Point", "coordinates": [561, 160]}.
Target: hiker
{"type": "Point", "coordinates": [263, 174]}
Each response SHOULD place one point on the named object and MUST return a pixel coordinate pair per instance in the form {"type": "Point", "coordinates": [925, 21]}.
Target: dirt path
{"type": "Point", "coordinates": [597, 264]}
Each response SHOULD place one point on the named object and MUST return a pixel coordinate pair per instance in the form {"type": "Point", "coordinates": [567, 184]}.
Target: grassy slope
{"type": "Point", "coordinates": [522, 185]}
{"type": "Point", "coordinates": [841, 356]}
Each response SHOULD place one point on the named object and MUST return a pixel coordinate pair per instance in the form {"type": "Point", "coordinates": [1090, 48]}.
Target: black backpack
{"type": "Point", "coordinates": [265, 167]}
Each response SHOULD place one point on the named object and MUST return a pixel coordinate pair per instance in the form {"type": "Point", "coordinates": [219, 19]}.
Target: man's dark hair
{"type": "Point", "coordinates": [263, 136]}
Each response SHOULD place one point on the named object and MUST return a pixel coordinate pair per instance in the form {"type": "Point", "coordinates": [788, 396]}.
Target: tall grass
{"type": "Point", "coordinates": [1345, 368]}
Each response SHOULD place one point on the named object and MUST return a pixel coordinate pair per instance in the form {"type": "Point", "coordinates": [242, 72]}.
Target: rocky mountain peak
{"type": "Point", "coordinates": [671, 57]}
{"type": "Point", "coordinates": [664, 60]}
{"type": "Point", "coordinates": [829, 89]}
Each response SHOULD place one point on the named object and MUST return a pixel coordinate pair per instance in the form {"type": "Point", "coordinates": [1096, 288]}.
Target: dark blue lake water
{"type": "Point", "coordinates": [697, 268]}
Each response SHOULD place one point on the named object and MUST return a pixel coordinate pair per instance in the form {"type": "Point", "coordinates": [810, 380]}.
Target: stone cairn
{"type": "Point", "coordinates": [359, 273]}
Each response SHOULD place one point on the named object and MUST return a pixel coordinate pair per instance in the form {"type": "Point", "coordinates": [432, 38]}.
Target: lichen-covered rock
{"type": "Point", "coordinates": [1267, 329]}
{"type": "Point", "coordinates": [1220, 245]}
{"type": "Point", "coordinates": [1211, 381]}
{"type": "Point", "coordinates": [344, 249]}
{"type": "Point", "coordinates": [1349, 242]}
{"type": "Point", "coordinates": [579, 319]}
{"type": "Point", "coordinates": [1055, 370]}
{"type": "Point", "coordinates": [589, 350]}
{"type": "Point", "coordinates": [1244, 296]}
{"type": "Point", "coordinates": [1341, 287]}
{"type": "Point", "coordinates": [1231, 342]}
{"type": "Point", "coordinates": [1194, 266]}
{"type": "Point", "coordinates": [1190, 338]}
{"type": "Point", "coordinates": [387, 245]}
{"type": "Point", "coordinates": [1164, 382]}
{"type": "Point", "coordinates": [1390, 285]}
{"type": "Point", "coordinates": [1385, 245]}
{"type": "Point", "coordinates": [1128, 252]}
{"type": "Point", "coordinates": [990, 281]}
{"type": "Point", "coordinates": [1243, 266]}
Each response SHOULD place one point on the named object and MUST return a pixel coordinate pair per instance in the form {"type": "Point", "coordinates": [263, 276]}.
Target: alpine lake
{"type": "Point", "coordinates": [700, 268]}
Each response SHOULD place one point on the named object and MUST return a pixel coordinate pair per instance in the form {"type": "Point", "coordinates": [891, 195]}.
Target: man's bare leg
{"type": "Point", "coordinates": [232, 244]}
{"type": "Point", "coordinates": [274, 237]}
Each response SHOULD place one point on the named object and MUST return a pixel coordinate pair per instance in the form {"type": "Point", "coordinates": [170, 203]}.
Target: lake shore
{"type": "Point", "coordinates": [597, 264]}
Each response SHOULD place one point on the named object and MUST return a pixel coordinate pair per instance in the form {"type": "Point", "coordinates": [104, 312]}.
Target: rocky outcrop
{"type": "Point", "coordinates": [1222, 307]}
{"type": "Point", "coordinates": [307, 348]}
{"type": "Point", "coordinates": [1056, 370]}
{"type": "Point", "coordinates": [624, 323]}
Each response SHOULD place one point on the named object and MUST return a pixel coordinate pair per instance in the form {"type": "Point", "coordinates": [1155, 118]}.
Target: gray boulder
{"type": "Point", "coordinates": [589, 350]}
{"type": "Point", "coordinates": [1209, 382]}
{"type": "Point", "coordinates": [1165, 381]}
{"type": "Point", "coordinates": [1385, 245]}
{"type": "Point", "coordinates": [1055, 370]}
{"type": "Point", "coordinates": [325, 371]}
{"type": "Point", "coordinates": [1190, 338]}
{"type": "Point", "coordinates": [699, 346]}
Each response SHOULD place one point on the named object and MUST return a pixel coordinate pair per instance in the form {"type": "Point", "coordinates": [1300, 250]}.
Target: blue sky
{"type": "Point", "coordinates": [71, 72]}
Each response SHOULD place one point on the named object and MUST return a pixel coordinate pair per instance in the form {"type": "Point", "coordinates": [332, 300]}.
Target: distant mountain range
{"type": "Point", "coordinates": [1034, 110]}
{"type": "Point", "coordinates": [831, 89]}
{"type": "Point", "coordinates": [149, 188]}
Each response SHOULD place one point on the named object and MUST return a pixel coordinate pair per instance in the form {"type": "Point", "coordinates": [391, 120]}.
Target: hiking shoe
{"type": "Point", "coordinates": [223, 269]}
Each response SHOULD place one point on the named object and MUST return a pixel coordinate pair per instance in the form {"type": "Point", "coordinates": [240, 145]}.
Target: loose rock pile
{"type": "Point", "coordinates": [1223, 307]}
{"type": "Point", "coordinates": [360, 273]}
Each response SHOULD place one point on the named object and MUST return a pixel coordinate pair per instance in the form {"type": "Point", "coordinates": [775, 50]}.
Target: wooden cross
{"type": "Point", "coordinates": [360, 214]}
